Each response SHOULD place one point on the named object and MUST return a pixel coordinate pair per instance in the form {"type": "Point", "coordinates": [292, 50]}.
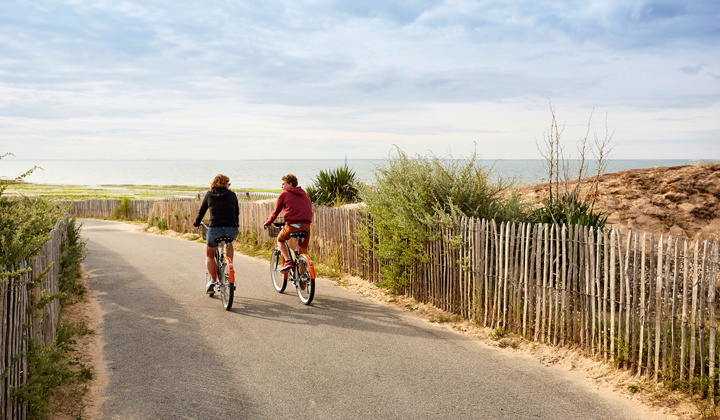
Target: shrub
{"type": "Point", "coordinates": [25, 224]}
{"type": "Point", "coordinates": [50, 367]}
{"type": "Point", "coordinates": [412, 195]}
{"type": "Point", "coordinates": [73, 253]}
{"type": "Point", "coordinates": [334, 187]}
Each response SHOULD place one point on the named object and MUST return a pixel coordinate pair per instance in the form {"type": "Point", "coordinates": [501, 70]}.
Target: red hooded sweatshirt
{"type": "Point", "coordinates": [296, 204]}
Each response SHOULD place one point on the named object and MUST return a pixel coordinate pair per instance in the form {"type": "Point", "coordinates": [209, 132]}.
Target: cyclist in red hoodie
{"type": "Point", "coordinates": [298, 216]}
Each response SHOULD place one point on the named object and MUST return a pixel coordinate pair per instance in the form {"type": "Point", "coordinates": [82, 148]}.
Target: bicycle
{"type": "Point", "coordinates": [302, 274]}
{"type": "Point", "coordinates": [224, 271]}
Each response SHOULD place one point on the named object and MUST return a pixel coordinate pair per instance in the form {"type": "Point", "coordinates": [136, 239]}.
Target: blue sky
{"type": "Point", "coordinates": [327, 79]}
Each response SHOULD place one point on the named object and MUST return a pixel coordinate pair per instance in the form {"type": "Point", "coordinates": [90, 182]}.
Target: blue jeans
{"type": "Point", "coordinates": [216, 232]}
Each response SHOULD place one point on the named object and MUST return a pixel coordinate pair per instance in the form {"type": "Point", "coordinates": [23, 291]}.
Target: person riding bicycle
{"type": "Point", "coordinates": [295, 203]}
{"type": "Point", "coordinates": [224, 216]}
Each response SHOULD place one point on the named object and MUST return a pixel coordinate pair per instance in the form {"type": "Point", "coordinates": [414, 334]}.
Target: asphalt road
{"type": "Point", "coordinates": [174, 353]}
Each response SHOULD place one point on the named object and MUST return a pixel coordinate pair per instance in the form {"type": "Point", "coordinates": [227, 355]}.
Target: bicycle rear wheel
{"type": "Point", "coordinates": [278, 279]}
{"type": "Point", "coordinates": [227, 289]}
{"type": "Point", "coordinates": [305, 283]}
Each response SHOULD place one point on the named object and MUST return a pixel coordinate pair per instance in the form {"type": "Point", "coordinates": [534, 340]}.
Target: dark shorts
{"type": "Point", "coordinates": [216, 232]}
{"type": "Point", "coordinates": [289, 228]}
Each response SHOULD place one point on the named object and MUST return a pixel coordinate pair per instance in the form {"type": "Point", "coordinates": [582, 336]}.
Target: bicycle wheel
{"type": "Point", "coordinates": [278, 279]}
{"type": "Point", "coordinates": [227, 289]}
{"type": "Point", "coordinates": [305, 283]}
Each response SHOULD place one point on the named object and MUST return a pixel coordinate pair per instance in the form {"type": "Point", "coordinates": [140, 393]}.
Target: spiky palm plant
{"type": "Point", "coordinates": [334, 187]}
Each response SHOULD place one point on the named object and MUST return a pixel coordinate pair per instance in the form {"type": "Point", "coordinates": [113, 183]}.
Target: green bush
{"type": "Point", "coordinates": [74, 251]}
{"type": "Point", "coordinates": [334, 187]}
{"type": "Point", "coordinates": [25, 226]}
{"type": "Point", "coordinates": [25, 223]}
{"type": "Point", "coordinates": [50, 367]}
{"type": "Point", "coordinates": [413, 194]}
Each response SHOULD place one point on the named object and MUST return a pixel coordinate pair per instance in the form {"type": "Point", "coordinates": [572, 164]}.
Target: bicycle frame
{"type": "Point", "coordinates": [293, 257]}
{"type": "Point", "coordinates": [218, 263]}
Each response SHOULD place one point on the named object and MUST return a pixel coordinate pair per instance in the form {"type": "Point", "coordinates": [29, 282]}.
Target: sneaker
{"type": "Point", "coordinates": [286, 267]}
{"type": "Point", "coordinates": [211, 286]}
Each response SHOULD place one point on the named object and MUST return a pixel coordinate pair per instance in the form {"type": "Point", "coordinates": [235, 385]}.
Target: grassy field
{"type": "Point", "coordinates": [135, 192]}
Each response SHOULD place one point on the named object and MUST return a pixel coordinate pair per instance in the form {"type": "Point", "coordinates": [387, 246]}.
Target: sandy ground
{"type": "Point", "coordinates": [89, 348]}
{"type": "Point", "coordinates": [601, 375]}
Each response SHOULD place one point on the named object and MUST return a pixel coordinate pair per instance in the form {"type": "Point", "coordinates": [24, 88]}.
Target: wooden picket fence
{"type": "Point", "coordinates": [109, 209]}
{"type": "Point", "coordinates": [19, 324]}
{"type": "Point", "coordinates": [144, 209]}
{"type": "Point", "coordinates": [645, 303]}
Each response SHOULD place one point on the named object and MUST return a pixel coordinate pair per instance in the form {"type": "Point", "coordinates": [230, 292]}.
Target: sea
{"type": "Point", "coordinates": [254, 174]}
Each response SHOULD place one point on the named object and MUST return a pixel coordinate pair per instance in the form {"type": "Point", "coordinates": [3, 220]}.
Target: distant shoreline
{"type": "Point", "coordinates": [255, 175]}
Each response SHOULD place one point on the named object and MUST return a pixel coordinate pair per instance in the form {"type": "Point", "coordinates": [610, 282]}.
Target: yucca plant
{"type": "Point", "coordinates": [569, 210]}
{"type": "Point", "coordinates": [334, 187]}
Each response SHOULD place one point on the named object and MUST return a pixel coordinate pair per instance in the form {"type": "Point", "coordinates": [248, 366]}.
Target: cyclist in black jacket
{"type": "Point", "coordinates": [224, 212]}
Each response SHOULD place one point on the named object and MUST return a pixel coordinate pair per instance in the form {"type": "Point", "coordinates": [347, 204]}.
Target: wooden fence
{"type": "Point", "coordinates": [15, 301]}
{"type": "Point", "coordinates": [648, 306]}
{"type": "Point", "coordinates": [144, 209]}
{"type": "Point", "coordinates": [645, 303]}
{"type": "Point", "coordinates": [110, 209]}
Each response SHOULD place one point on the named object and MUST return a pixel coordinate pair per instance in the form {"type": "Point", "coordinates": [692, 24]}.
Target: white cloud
{"type": "Point", "coordinates": [90, 77]}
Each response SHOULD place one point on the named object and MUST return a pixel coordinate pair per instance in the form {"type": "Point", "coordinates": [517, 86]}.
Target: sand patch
{"type": "Point", "coordinates": [89, 350]}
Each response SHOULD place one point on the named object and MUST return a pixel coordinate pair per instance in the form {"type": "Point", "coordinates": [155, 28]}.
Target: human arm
{"type": "Point", "coordinates": [279, 204]}
{"type": "Point", "coordinates": [201, 212]}
{"type": "Point", "coordinates": [236, 210]}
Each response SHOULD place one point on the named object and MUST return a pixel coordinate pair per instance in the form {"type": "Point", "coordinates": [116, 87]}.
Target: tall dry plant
{"type": "Point", "coordinates": [566, 204]}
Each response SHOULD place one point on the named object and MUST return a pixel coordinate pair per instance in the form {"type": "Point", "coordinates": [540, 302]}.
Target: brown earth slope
{"type": "Point", "coordinates": [680, 200]}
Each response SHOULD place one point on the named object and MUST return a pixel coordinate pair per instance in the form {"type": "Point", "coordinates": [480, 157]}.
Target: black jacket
{"type": "Point", "coordinates": [223, 205]}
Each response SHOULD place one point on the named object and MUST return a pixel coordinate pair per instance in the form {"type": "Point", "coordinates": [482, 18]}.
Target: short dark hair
{"type": "Point", "coordinates": [290, 179]}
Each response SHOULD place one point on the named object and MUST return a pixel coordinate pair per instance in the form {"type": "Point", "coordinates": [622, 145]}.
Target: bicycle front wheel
{"type": "Point", "coordinates": [278, 279]}
{"type": "Point", "coordinates": [305, 284]}
{"type": "Point", "coordinates": [227, 289]}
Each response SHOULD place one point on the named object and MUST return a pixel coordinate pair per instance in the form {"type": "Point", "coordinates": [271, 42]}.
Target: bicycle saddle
{"type": "Point", "coordinates": [225, 239]}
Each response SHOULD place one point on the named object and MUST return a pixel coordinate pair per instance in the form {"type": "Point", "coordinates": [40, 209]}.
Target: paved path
{"type": "Point", "coordinates": [174, 353]}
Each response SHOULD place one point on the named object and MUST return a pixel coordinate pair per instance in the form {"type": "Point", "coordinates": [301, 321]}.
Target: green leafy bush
{"type": "Point", "coordinates": [73, 253]}
{"type": "Point", "coordinates": [25, 225]}
{"type": "Point", "coordinates": [52, 366]}
{"type": "Point", "coordinates": [334, 187]}
{"type": "Point", "coordinates": [413, 194]}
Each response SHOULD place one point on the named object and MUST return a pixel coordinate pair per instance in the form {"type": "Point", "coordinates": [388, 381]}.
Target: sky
{"type": "Point", "coordinates": [234, 79]}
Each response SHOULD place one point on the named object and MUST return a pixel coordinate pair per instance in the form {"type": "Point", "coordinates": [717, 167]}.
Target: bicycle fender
{"type": "Point", "coordinates": [310, 263]}
{"type": "Point", "coordinates": [231, 270]}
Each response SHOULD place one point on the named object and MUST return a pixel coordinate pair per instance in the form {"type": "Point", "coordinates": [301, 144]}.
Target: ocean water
{"type": "Point", "coordinates": [245, 174]}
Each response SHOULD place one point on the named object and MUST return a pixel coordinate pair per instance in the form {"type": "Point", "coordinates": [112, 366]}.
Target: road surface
{"type": "Point", "coordinates": [174, 353]}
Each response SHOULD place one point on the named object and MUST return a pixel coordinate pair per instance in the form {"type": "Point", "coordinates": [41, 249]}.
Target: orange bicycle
{"type": "Point", "coordinates": [302, 275]}
{"type": "Point", "coordinates": [225, 272]}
